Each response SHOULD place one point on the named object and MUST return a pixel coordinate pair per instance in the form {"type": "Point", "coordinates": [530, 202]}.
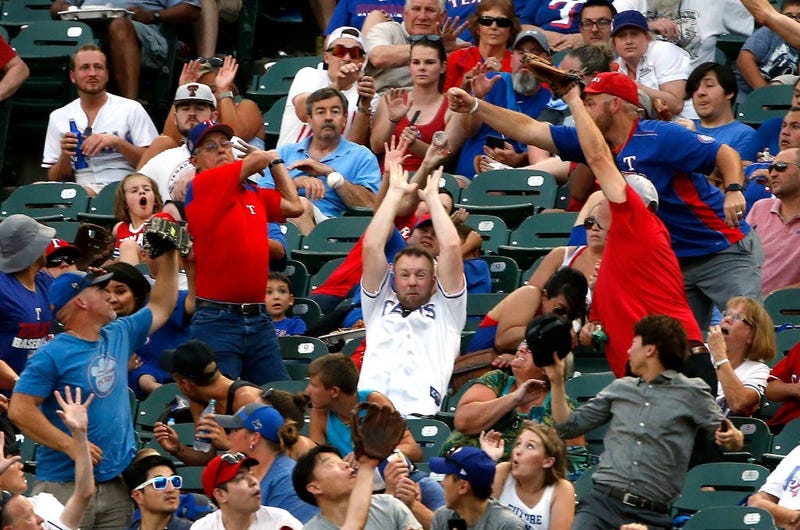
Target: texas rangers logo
{"type": "Point", "coordinates": [792, 484]}
{"type": "Point", "coordinates": [102, 374]}
{"type": "Point", "coordinates": [704, 138]}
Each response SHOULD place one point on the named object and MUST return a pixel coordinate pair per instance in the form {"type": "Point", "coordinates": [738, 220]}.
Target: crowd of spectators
{"type": "Point", "coordinates": [680, 216]}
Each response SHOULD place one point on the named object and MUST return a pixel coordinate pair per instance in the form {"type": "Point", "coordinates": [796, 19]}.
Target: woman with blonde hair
{"type": "Point", "coordinates": [739, 346]}
{"type": "Point", "coordinates": [533, 484]}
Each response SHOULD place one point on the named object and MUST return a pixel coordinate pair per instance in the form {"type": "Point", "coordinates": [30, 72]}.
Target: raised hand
{"type": "Point", "coordinates": [398, 180]}
{"type": "Point", "coordinates": [190, 72]}
{"type": "Point", "coordinates": [397, 103]}
{"type": "Point", "coordinates": [227, 74]}
{"type": "Point", "coordinates": [459, 101]}
{"type": "Point", "coordinates": [73, 413]}
{"type": "Point", "coordinates": [492, 444]}
{"type": "Point", "coordinates": [394, 152]}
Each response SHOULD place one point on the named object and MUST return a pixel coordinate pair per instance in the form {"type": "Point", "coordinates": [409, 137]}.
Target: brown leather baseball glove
{"type": "Point", "coordinates": [559, 81]}
{"type": "Point", "coordinates": [376, 430]}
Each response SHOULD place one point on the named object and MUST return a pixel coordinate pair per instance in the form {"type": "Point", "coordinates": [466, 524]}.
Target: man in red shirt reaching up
{"type": "Point", "coordinates": [228, 217]}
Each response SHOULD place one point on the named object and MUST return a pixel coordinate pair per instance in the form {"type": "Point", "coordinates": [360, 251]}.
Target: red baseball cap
{"type": "Point", "coordinates": [614, 84]}
{"type": "Point", "coordinates": [61, 247]}
{"type": "Point", "coordinates": [222, 469]}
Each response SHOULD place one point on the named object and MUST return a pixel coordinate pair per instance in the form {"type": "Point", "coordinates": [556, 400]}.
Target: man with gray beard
{"type": "Point", "coordinates": [519, 91]}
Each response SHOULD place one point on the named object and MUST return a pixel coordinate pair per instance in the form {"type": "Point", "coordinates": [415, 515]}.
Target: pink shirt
{"type": "Point", "coordinates": [781, 242]}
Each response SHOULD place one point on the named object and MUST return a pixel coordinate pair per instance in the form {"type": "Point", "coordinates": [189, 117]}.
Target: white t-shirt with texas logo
{"type": "Point", "coordinates": [784, 482]}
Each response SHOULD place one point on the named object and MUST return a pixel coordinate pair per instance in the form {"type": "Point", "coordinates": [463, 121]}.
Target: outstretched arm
{"type": "Point", "coordinates": [595, 149]}
{"type": "Point", "coordinates": [164, 295]}
{"type": "Point", "coordinates": [74, 414]}
{"type": "Point", "coordinates": [450, 265]}
{"type": "Point", "coordinates": [766, 15]}
{"type": "Point", "coordinates": [513, 124]}
{"type": "Point", "coordinates": [379, 228]}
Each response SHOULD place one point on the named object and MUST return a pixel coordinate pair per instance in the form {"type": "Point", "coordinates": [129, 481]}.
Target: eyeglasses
{"type": "Point", "coordinates": [211, 148]}
{"type": "Point", "coordinates": [419, 38]}
{"type": "Point", "coordinates": [561, 311]}
{"type": "Point", "coordinates": [738, 317]}
{"type": "Point", "coordinates": [590, 221]}
{"type": "Point", "coordinates": [780, 167]}
{"type": "Point", "coordinates": [340, 50]}
{"type": "Point", "coordinates": [601, 23]}
{"type": "Point", "coordinates": [57, 261]}
{"type": "Point", "coordinates": [160, 483]}
{"type": "Point", "coordinates": [523, 346]}
{"type": "Point", "coordinates": [502, 22]}
{"type": "Point", "coordinates": [214, 62]}
{"type": "Point", "coordinates": [87, 132]}
{"type": "Point", "coordinates": [793, 16]}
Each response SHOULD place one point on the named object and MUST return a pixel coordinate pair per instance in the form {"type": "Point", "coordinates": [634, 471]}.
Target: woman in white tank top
{"type": "Point", "coordinates": [532, 482]}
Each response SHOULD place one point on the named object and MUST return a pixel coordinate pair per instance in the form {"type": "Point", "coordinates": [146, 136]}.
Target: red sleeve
{"type": "Point", "coordinates": [783, 370]}
{"type": "Point", "coordinates": [272, 202]}
{"type": "Point", "coordinates": [6, 53]}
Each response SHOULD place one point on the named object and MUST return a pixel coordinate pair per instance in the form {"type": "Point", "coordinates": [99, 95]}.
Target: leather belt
{"type": "Point", "coordinates": [631, 499]}
{"type": "Point", "coordinates": [241, 309]}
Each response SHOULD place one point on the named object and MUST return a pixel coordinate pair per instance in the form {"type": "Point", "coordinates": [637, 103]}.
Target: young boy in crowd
{"type": "Point", "coordinates": [279, 299]}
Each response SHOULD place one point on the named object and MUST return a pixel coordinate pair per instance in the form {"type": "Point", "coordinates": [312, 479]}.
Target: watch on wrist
{"type": "Point", "coordinates": [226, 94]}
{"type": "Point", "coordinates": [156, 16]}
{"type": "Point", "coordinates": [734, 187]}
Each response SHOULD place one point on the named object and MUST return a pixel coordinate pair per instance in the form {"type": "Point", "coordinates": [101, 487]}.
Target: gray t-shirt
{"type": "Point", "coordinates": [496, 517]}
{"type": "Point", "coordinates": [385, 513]}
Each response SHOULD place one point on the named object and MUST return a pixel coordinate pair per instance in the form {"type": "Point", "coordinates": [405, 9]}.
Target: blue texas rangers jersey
{"type": "Point", "coordinates": [676, 161]}
{"type": "Point", "coordinates": [24, 319]}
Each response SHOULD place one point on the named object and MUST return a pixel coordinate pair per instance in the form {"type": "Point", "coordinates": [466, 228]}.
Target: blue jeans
{"type": "Point", "coordinates": [242, 344]}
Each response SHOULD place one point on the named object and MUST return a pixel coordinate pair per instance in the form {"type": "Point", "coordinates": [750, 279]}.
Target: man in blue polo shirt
{"type": "Point", "coordinates": [332, 173]}
{"type": "Point", "coordinates": [720, 256]}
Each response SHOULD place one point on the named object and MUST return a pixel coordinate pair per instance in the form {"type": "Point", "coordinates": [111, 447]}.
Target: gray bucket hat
{"type": "Point", "coordinates": [22, 242]}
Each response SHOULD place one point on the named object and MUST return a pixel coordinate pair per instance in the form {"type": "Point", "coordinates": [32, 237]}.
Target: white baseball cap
{"type": "Point", "coordinates": [195, 92]}
{"type": "Point", "coordinates": [346, 32]}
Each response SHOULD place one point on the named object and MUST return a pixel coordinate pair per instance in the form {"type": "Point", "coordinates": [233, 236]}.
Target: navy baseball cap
{"type": "Point", "coordinates": [255, 417]}
{"type": "Point", "coordinates": [468, 463]}
{"type": "Point", "coordinates": [201, 130]}
{"type": "Point", "coordinates": [629, 19]}
{"type": "Point", "coordinates": [70, 284]}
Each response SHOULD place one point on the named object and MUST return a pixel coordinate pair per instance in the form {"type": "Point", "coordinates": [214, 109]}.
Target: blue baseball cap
{"type": "Point", "coordinates": [629, 19]}
{"type": "Point", "coordinates": [468, 463]}
{"type": "Point", "coordinates": [70, 284]}
{"type": "Point", "coordinates": [201, 130]}
{"type": "Point", "coordinates": [255, 417]}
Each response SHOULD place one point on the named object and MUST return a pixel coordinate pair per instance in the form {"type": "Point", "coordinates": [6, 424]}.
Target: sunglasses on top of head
{"type": "Point", "coordinates": [502, 22]}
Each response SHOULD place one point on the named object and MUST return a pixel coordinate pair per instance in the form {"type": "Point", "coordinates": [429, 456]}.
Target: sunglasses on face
{"type": "Point", "coordinates": [56, 262]}
{"type": "Point", "coordinates": [340, 50]}
{"type": "Point", "coordinates": [780, 167]}
{"type": "Point", "coordinates": [502, 22]}
{"type": "Point", "coordinates": [429, 38]}
{"type": "Point", "coordinates": [601, 23]}
{"type": "Point", "coordinates": [590, 221]}
{"type": "Point", "coordinates": [160, 482]}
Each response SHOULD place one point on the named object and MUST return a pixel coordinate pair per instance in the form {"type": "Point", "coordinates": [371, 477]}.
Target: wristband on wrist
{"type": "Point", "coordinates": [226, 94]}
{"type": "Point", "coordinates": [718, 364]}
{"type": "Point", "coordinates": [275, 162]}
{"type": "Point", "coordinates": [474, 108]}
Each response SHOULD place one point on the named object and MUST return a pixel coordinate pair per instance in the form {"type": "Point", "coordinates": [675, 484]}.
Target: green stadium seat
{"type": "Point", "coordinates": [538, 235]}
{"type": "Point", "coordinates": [504, 272]}
{"type": "Point", "coordinates": [731, 483]}
{"type": "Point", "coordinates": [783, 306]}
{"type": "Point", "coordinates": [298, 352]}
{"type": "Point", "coordinates": [731, 518]}
{"type": "Point", "coordinates": [492, 229]}
{"type": "Point", "coordinates": [47, 201]}
{"type": "Point", "coordinates": [275, 82]}
{"type": "Point", "coordinates": [272, 122]}
{"type": "Point", "coordinates": [511, 194]}
{"type": "Point", "coordinates": [332, 238]}
{"type": "Point", "coordinates": [764, 103]}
